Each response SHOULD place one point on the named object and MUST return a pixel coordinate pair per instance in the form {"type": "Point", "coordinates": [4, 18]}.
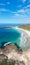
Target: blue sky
{"type": "Point", "coordinates": [15, 11]}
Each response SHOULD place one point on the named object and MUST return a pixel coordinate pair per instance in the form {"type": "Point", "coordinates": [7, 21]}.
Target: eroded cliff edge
{"type": "Point", "coordinates": [11, 53]}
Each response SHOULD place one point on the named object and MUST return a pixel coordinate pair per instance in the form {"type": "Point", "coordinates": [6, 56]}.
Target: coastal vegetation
{"type": "Point", "coordinates": [26, 27]}
{"type": "Point", "coordinates": [6, 63]}
{"type": "Point", "coordinates": [12, 62]}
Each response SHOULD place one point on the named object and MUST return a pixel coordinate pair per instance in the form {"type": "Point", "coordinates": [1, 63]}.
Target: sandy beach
{"type": "Point", "coordinates": [21, 29]}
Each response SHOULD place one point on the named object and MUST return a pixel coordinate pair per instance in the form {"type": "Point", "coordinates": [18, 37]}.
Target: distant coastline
{"type": "Point", "coordinates": [25, 27]}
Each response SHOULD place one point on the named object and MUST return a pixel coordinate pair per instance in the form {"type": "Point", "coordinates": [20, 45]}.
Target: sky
{"type": "Point", "coordinates": [15, 11]}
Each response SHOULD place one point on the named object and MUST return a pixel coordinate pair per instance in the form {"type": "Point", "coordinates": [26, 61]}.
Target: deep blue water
{"type": "Point", "coordinates": [10, 25]}
{"type": "Point", "coordinates": [9, 35]}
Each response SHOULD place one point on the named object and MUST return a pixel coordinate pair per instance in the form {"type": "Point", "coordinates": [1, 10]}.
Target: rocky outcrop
{"type": "Point", "coordinates": [3, 57]}
{"type": "Point", "coordinates": [13, 62]}
{"type": "Point", "coordinates": [14, 55]}
{"type": "Point", "coordinates": [11, 47]}
{"type": "Point", "coordinates": [10, 50]}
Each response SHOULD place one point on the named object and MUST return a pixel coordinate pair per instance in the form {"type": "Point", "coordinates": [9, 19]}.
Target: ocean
{"type": "Point", "coordinates": [9, 35]}
{"type": "Point", "coordinates": [1, 25]}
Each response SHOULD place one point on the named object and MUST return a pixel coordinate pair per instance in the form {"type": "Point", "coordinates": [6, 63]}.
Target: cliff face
{"type": "Point", "coordinates": [3, 57]}
{"type": "Point", "coordinates": [11, 51]}
{"type": "Point", "coordinates": [12, 48]}
{"type": "Point", "coordinates": [11, 54]}
{"type": "Point", "coordinates": [14, 55]}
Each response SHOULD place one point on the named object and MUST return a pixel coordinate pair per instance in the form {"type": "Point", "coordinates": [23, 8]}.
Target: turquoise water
{"type": "Point", "coordinates": [9, 35]}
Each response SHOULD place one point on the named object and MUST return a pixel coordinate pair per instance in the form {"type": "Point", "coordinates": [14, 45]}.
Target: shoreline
{"type": "Point", "coordinates": [24, 35]}
{"type": "Point", "coordinates": [12, 52]}
{"type": "Point", "coordinates": [26, 31]}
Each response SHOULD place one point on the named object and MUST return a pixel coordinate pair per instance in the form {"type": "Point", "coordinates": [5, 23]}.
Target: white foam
{"type": "Point", "coordinates": [7, 43]}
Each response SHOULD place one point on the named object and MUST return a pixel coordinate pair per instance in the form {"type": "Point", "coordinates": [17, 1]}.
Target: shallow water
{"type": "Point", "coordinates": [9, 35]}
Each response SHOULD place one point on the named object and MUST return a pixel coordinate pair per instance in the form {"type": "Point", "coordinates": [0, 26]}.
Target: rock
{"type": "Point", "coordinates": [12, 51]}
{"type": "Point", "coordinates": [11, 47]}
{"type": "Point", "coordinates": [3, 57]}
{"type": "Point", "coordinates": [13, 62]}
{"type": "Point", "coordinates": [21, 63]}
{"type": "Point", "coordinates": [1, 52]}
{"type": "Point", "coordinates": [15, 55]}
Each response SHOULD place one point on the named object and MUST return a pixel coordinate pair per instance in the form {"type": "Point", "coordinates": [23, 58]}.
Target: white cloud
{"type": "Point", "coordinates": [4, 10]}
{"type": "Point", "coordinates": [13, 12]}
{"type": "Point", "coordinates": [23, 1]}
{"type": "Point", "coordinates": [28, 5]}
{"type": "Point", "coordinates": [22, 11]}
{"type": "Point", "coordinates": [4, 3]}
{"type": "Point", "coordinates": [16, 14]}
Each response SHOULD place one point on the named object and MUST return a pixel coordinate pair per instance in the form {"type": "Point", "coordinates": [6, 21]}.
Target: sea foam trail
{"type": "Point", "coordinates": [22, 40]}
{"type": "Point", "coordinates": [23, 36]}
{"type": "Point", "coordinates": [7, 43]}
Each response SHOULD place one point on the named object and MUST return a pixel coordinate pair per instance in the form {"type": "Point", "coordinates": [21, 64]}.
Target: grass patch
{"type": "Point", "coordinates": [25, 27]}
